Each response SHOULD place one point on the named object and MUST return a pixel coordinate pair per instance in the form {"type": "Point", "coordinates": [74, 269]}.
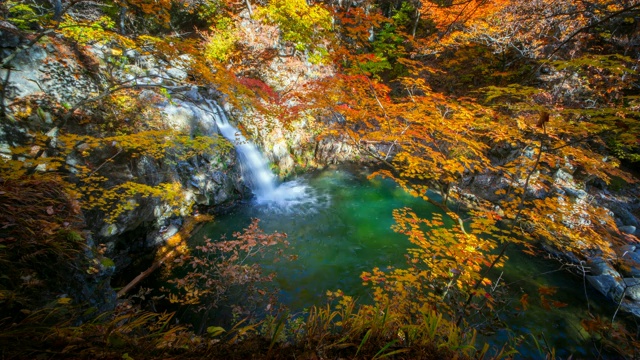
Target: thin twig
{"type": "Point", "coordinates": [116, 89]}
{"type": "Point", "coordinates": [38, 84]}
{"type": "Point", "coordinates": [584, 286]}
{"type": "Point", "coordinates": [619, 304]}
{"type": "Point", "coordinates": [106, 161]}
{"type": "Point", "coordinates": [585, 28]}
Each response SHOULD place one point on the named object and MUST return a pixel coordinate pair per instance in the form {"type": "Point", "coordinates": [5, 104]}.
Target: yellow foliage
{"type": "Point", "coordinates": [220, 42]}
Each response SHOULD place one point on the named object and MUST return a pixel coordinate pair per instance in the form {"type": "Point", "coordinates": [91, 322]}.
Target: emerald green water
{"type": "Point", "coordinates": [339, 225]}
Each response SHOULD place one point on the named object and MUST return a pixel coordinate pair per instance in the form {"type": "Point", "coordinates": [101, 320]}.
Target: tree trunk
{"type": "Point", "coordinates": [415, 24]}
{"type": "Point", "coordinates": [123, 12]}
{"type": "Point", "coordinates": [57, 10]}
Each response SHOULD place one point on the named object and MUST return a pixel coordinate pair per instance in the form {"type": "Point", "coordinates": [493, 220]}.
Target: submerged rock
{"type": "Point", "coordinates": [628, 229]}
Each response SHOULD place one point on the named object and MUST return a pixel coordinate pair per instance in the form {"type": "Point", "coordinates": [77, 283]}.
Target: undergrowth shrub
{"type": "Point", "coordinates": [40, 239]}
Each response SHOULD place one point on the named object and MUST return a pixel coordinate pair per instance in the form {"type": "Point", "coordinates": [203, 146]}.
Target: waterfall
{"type": "Point", "coordinates": [254, 166]}
{"type": "Point", "coordinates": [290, 196]}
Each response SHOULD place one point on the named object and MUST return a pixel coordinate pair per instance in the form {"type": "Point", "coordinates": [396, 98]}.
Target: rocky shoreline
{"type": "Point", "coordinates": [615, 276]}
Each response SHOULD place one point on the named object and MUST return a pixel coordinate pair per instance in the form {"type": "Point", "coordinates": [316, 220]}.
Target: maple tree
{"type": "Point", "coordinates": [303, 25]}
{"type": "Point", "coordinates": [227, 269]}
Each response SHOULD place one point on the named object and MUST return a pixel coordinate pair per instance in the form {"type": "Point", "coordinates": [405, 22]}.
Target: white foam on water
{"type": "Point", "coordinates": [287, 197]}
{"type": "Point", "coordinates": [294, 196]}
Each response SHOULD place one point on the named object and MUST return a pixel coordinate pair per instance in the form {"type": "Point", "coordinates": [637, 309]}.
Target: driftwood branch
{"type": "Point", "coordinates": [143, 275]}
{"type": "Point", "coordinates": [190, 226]}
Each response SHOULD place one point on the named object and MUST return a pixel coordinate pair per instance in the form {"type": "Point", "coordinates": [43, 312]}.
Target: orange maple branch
{"type": "Point", "coordinates": [455, 20]}
{"type": "Point", "coordinates": [375, 95]}
{"type": "Point", "coordinates": [190, 226]}
{"type": "Point", "coordinates": [356, 143]}
{"type": "Point", "coordinates": [506, 245]}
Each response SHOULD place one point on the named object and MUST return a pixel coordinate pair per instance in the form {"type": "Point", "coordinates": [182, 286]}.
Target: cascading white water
{"type": "Point", "coordinates": [289, 196]}
{"type": "Point", "coordinates": [255, 168]}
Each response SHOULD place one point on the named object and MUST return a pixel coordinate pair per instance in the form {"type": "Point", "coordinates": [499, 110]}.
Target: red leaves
{"type": "Point", "coordinates": [543, 119]}
{"type": "Point", "coordinates": [545, 301]}
{"type": "Point", "coordinates": [259, 87]}
{"type": "Point", "coordinates": [226, 266]}
{"type": "Point", "coordinates": [547, 290]}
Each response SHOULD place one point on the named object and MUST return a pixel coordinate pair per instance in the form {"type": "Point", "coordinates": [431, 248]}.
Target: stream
{"type": "Point", "coordinates": [339, 224]}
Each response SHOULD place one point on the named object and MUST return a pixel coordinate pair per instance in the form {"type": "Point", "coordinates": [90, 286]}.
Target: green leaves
{"type": "Point", "coordinates": [85, 32]}
{"type": "Point", "coordinates": [214, 331]}
{"type": "Point", "coordinates": [220, 42]}
{"type": "Point", "coordinates": [22, 15]}
{"type": "Point", "coordinates": [510, 92]}
{"type": "Point", "coordinates": [616, 64]}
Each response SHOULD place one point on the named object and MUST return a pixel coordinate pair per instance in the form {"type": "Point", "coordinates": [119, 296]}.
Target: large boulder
{"type": "Point", "coordinates": [607, 285]}
{"type": "Point", "coordinates": [613, 284]}
{"type": "Point", "coordinates": [628, 229]}
{"type": "Point", "coordinates": [632, 288]}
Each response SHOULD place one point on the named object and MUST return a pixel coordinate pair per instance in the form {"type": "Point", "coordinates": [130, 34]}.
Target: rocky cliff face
{"type": "Point", "coordinates": [48, 80]}
{"type": "Point", "coordinates": [298, 147]}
